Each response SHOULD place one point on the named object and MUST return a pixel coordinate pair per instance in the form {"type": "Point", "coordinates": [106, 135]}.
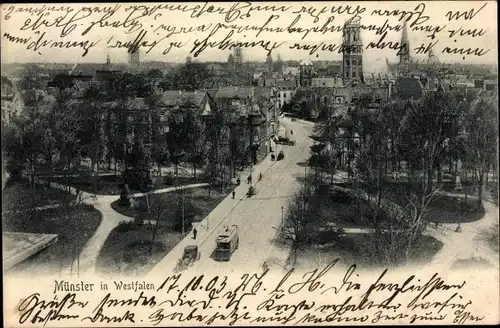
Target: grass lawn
{"type": "Point", "coordinates": [491, 236]}
{"type": "Point", "coordinates": [73, 230]}
{"type": "Point", "coordinates": [129, 248]}
{"type": "Point", "coordinates": [443, 208]}
{"type": "Point", "coordinates": [82, 167]}
{"type": "Point", "coordinates": [110, 185]}
{"type": "Point", "coordinates": [19, 196]}
{"type": "Point", "coordinates": [359, 249]}
{"type": "Point", "coordinates": [446, 209]}
{"type": "Point", "coordinates": [476, 263]}
{"type": "Point", "coordinates": [343, 210]}
{"type": "Point", "coordinates": [197, 204]}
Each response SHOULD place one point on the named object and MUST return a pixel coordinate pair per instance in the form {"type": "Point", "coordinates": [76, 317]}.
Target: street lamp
{"type": "Point", "coordinates": [282, 218]}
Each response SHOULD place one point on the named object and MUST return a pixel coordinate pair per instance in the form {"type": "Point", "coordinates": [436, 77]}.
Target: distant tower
{"type": "Point", "coordinates": [279, 64]}
{"type": "Point", "coordinates": [404, 55]}
{"type": "Point", "coordinates": [305, 73]}
{"type": "Point", "coordinates": [269, 63]}
{"type": "Point", "coordinates": [108, 63]}
{"type": "Point", "coordinates": [238, 55]}
{"type": "Point", "coordinates": [230, 59]}
{"type": "Point", "coordinates": [352, 54]}
{"type": "Point", "coordinates": [188, 60]}
{"type": "Point", "coordinates": [432, 57]}
{"type": "Point", "coordinates": [134, 59]}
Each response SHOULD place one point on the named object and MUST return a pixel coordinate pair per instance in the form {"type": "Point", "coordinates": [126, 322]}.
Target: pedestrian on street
{"type": "Point", "coordinates": [194, 233]}
{"type": "Point", "coordinates": [265, 267]}
{"type": "Point", "coordinates": [234, 193]}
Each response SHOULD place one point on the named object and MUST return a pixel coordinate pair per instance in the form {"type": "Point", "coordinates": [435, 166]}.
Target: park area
{"type": "Point", "coordinates": [111, 184]}
{"type": "Point", "coordinates": [345, 226]}
{"type": "Point", "coordinates": [348, 232]}
{"type": "Point", "coordinates": [133, 248]}
{"type": "Point", "coordinates": [73, 224]}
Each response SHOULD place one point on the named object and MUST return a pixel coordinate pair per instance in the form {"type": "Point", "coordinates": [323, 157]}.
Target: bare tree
{"type": "Point", "coordinates": [157, 210]}
{"type": "Point", "coordinates": [298, 221]}
{"type": "Point", "coordinates": [481, 139]}
{"type": "Point", "coordinates": [68, 209]}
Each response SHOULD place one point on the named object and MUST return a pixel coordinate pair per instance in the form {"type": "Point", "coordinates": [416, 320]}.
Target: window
{"type": "Point", "coordinates": [353, 62]}
{"type": "Point", "coordinates": [346, 62]}
{"type": "Point", "coordinates": [346, 74]}
{"type": "Point", "coordinates": [353, 73]}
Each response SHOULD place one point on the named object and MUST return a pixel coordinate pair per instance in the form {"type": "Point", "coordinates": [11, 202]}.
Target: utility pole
{"type": "Point", "coordinates": [282, 218]}
{"type": "Point", "coordinates": [183, 226]}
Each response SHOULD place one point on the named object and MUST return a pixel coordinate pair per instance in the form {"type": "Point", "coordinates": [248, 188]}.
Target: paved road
{"type": "Point", "coordinates": [256, 216]}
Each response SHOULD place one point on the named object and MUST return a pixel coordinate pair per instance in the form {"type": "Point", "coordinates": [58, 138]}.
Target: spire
{"type": "Point", "coordinates": [404, 56]}
{"type": "Point", "coordinates": [107, 67]}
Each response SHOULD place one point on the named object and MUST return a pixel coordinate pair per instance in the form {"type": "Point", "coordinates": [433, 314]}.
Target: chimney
{"type": "Point", "coordinates": [235, 88]}
{"type": "Point", "coordinates": [253, 92]}
{"type": "Point", "coordinates": [195, 91]}
{"type": "Point", "coordinates": [180, 92]}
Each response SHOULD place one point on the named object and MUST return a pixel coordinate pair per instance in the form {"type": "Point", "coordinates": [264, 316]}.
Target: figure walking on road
{"type": "Point", "coordinates": [234, 193]}
{"type": "Point", "coordinates": [249, 179]}
{"type": "Point", "coordinates": [265, 267]}
{"type": "Point", "coordinates": [194, 233]}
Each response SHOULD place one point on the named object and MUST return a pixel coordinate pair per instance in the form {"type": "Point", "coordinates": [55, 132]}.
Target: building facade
{"type": "Point", "coordinates": [352, 55]}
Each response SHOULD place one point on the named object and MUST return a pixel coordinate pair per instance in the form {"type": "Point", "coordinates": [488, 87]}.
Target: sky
{"type": "Point", "coordinates": [475, 15]}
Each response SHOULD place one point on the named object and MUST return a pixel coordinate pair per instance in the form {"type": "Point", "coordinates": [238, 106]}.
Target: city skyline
{"type": "Point", "coordinates": [373, 57]}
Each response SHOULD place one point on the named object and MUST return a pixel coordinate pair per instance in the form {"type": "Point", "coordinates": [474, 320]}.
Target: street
{"type": "Point", "coordinates": [257, 217]}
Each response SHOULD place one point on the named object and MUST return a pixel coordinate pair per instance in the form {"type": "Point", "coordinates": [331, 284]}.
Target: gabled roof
{"type": "Point", "coordinates": [234, 92]}
{"type": "Point", "coordinates": [242, 109]}
{"type": "Point", "coordinates": [132, 104]}
{"type": "Point", "coordinates": [409, 87]}
{"type": "Point", "coordinates": [291, 70]}
{"type": "Point", "coordinates": [91, 68]}
{"type": "Point", "coordinates": [182, 98]}
{"type": "Point", "coordinates": [286, 83]}
{"type": "Point", "coordinates": [82, 86]}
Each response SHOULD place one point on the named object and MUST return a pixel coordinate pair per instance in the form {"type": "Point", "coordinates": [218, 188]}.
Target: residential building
{"type": "Point", "coordinates": [284, 91]}
{"type": "Point", "coordinates": [256, 111]}
{"type": "Point", "coordinates": [326, 82]}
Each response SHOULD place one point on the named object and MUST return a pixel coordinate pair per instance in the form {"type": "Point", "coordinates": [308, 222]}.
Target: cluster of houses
{"type": "Point", "coordinates": [258, 93]}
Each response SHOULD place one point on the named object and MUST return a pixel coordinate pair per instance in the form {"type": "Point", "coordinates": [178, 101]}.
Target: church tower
{"type": "Point", "coordinates": [404, 54]}
{"type": "Point", "coordinates": [108, 63]}
{"type": "Point", "coordinates": [238, 55]}
{"type": "Point", "coordinates": [134, 59]}
{"type": "Point", "coordinates": [305, 73]}
{"type": "Point", "coordinates": [352, 52]}
{"type": "Point", "coordinates": [269, 63]}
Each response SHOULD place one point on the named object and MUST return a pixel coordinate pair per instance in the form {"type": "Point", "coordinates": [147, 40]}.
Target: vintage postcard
{"type": "Point", "coordinates": [250, 163]}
